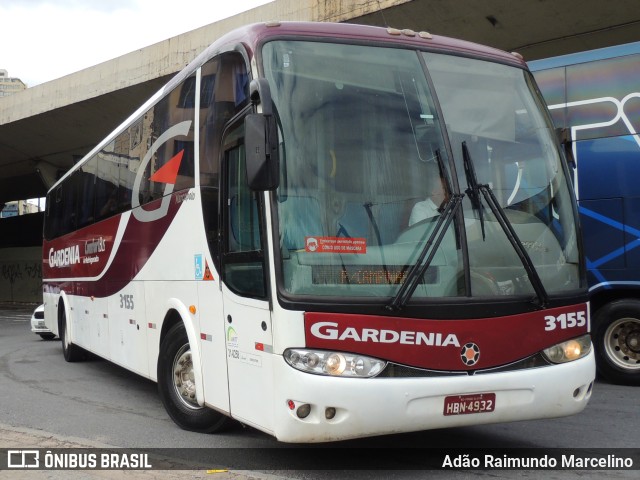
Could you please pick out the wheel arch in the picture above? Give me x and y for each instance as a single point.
(177, 312)
(617, 360)
(64, 306)
(603, 296)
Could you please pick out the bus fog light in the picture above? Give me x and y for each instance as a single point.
(303, 410)
(329, 413)
(569, 351)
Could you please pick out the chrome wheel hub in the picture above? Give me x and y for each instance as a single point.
(184, 378)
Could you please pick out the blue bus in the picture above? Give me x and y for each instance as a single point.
(595, 96)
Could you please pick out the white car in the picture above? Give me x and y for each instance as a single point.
(38, 326)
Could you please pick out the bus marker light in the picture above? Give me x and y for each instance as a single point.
(192, 309)
(291, 404)
(303, 410)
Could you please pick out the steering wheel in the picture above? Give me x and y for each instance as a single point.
(418, 231)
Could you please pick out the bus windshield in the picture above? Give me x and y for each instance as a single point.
(374, 142)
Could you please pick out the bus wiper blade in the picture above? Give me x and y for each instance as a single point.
(501, 216)
(430, 247)
(473, 188)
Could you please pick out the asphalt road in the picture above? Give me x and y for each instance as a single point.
(48, 403)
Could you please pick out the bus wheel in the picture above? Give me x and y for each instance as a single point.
(177, 388)
(71, 352)
(617, 341)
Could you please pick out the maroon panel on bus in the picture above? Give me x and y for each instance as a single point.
(82, 256)
(468, 344)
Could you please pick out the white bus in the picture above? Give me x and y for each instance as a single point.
(330, 231)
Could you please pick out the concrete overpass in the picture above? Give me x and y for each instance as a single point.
(44, 129)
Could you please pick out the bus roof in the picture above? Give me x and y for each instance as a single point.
(254, 34)
(584, 57)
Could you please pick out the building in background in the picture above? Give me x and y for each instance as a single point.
(10, 85)
(21, 207)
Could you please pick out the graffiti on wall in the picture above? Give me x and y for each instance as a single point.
(21, 280)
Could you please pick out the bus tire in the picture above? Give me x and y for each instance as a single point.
(71, 352)
(617, 341)
(177, 387)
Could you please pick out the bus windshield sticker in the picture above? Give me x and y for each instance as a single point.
(335, 245)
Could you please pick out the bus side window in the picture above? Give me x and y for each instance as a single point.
(243, 261)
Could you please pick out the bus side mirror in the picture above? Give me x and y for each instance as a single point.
(564, 137)
(261, 142)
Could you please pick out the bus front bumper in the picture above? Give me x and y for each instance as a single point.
(344, 408)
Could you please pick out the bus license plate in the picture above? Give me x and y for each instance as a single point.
(465, 404)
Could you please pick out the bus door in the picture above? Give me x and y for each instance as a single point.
(246, 308)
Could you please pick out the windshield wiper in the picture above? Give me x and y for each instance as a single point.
(499, 213)
(419, 268)
(473, 189)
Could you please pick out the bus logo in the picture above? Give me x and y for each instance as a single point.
(65, 257)
(164, 175)
(232, 337)
(470, 354)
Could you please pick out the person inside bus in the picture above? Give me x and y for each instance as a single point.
(431, 206)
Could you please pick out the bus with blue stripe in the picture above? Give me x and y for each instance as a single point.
(596, 96)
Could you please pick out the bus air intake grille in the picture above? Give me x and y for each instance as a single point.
(394, 370)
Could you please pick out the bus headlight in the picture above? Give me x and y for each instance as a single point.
(569, 351)
(337, 364)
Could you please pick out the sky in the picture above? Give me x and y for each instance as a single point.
(47, 39)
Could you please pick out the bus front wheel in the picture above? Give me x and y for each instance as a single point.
(617, 341)
(177, 388)
(71, 352)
